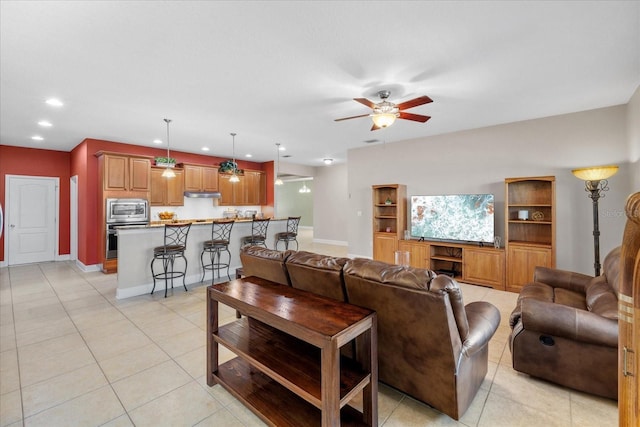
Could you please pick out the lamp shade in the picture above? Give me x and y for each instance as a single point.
(168, 173)
(595, 173)
(383, 120)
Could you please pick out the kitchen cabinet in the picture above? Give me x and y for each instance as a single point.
(200, 177)
(255, 188)
(251, 190)
(126, 173)
(166, 191)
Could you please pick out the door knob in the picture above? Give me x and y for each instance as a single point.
(12, 226)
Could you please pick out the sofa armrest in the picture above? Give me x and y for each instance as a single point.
(556, 278)
(483, 319)
(568, 322)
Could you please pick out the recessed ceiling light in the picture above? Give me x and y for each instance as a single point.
(281, 148)
(205, 148)
(54, 102)
(248, 155)
(45, 124)
(37, 138)
(328, 161)
(157, 141)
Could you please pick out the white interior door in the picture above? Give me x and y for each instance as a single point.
(32, 213)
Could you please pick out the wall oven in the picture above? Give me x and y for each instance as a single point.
(122, 213)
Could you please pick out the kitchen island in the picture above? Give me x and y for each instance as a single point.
(135, 252)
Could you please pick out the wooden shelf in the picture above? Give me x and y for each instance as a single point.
(255, 342)
(446, 258)
(522, 221)
(267, 398)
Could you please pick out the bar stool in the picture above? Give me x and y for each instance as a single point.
(220, 236)
(175, 243)
(290, 235)
(258, 233)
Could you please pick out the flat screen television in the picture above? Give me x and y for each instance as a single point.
(453, 217)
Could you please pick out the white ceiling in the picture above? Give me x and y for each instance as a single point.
(283, 71)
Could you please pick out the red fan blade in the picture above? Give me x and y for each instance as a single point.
(414, 117)
(414, 102)
(365, 101)
(352, 117)
(375, 127)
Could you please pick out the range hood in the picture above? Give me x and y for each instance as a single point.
(203, 194)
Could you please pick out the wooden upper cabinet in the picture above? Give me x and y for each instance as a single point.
(251, 190)
(139, 174)
(255, 188)
(126, 173)
(210, 179)
(166, 191)
(200, 178)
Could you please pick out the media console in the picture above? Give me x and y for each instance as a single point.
(469, 263)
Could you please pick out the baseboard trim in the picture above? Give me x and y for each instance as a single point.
(331, 242)
(88, 268)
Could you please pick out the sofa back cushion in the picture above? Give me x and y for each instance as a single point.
(317, 273)
(266, 263)
(418, 338)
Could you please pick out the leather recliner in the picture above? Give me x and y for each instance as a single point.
(565, 328)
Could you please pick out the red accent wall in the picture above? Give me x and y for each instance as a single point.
(81, 161)
(36, 162)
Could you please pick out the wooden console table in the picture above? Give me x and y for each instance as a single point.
(288, 368)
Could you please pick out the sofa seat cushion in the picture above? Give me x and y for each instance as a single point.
(569, 298)
(543, 292)
(317, 273)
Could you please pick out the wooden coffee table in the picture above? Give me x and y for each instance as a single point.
(288, 368)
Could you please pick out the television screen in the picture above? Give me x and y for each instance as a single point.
(463, 217)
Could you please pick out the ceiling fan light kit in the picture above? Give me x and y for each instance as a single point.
(385, 113)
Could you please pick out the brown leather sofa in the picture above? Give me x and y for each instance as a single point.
(565, 328)
(430, 345)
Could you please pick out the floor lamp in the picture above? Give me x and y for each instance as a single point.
(595, 181)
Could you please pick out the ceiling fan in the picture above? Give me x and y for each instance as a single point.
(385, 112)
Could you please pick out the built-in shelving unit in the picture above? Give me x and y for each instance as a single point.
(529, 242)
(389, 219)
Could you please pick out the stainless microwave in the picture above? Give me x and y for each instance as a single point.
(127, 211)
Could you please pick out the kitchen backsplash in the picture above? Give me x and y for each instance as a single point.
(197, 209)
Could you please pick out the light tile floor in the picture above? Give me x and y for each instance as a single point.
(73, 355)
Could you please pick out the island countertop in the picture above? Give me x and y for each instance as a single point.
(135, 252)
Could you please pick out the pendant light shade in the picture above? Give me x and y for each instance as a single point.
(278, 180)
(304, 189)
(168, 172)
(234, 177)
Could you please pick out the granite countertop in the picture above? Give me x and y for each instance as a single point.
(200, 221)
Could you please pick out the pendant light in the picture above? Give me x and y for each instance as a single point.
(278, 180)
(234, 177)
(304, 189)
(168, 172)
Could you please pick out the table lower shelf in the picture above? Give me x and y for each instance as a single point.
(272, 402)
(292, 362)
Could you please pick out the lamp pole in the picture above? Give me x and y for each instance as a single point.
(595, 182)
(595, 188)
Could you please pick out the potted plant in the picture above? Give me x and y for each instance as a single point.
(166, 162)
(229, 166)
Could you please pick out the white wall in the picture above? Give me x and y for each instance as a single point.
(290, 202)
(478, 161)
(633, 135)
(330, 205)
